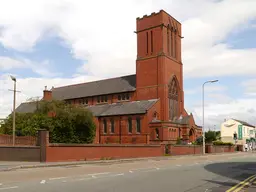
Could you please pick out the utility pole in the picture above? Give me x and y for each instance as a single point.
(14, 109)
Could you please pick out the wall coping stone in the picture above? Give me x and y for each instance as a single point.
(101, 145)
(21, 147)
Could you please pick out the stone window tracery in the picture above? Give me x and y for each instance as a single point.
(173, 99)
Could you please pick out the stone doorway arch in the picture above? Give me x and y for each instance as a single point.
(192, 135)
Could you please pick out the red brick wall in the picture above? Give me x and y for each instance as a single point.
(185, 149)
(219, 149)
(18, 153)
(6, 140)
(62, 152)
(125, 139)
(121, 130)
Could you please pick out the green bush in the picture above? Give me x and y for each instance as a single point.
(223, 143)
(68, 124)
(194, 143)
(179, 141)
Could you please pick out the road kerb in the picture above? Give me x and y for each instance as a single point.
(63, 164)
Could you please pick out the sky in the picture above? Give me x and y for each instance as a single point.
(60, 42)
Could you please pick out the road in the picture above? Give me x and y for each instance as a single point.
(216, 173)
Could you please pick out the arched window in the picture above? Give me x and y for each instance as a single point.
(112, 125)
(138, 125)
(129, 125)
(173, 99)
(105, 126)
(157, 133)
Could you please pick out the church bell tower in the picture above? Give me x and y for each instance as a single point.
(159, 69)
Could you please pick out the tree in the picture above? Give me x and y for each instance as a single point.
(210, 136)
(66, 123)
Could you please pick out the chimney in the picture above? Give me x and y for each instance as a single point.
(47, 94)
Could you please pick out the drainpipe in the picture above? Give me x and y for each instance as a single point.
(120, 129)
(99, 131)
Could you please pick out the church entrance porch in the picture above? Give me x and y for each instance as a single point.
(192, 135)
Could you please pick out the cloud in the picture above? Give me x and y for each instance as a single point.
(41, 68)
(31, 87)
(250, 87)
(102, 36)
(207, 89)
(219, 106)
(216, 113)
(7, 63)
(105, 38)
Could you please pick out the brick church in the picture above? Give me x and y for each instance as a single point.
(147, 107)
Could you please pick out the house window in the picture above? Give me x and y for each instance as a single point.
(119, 97)
(106, 98)
(102, 99)
(98, 99)
(129, 125)
(123, 97)
(105, 126)
(112, 126)
(138, 125)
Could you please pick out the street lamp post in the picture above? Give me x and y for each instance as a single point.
(212, 81)
(14, 103)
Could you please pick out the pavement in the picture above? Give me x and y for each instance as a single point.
(213, 173)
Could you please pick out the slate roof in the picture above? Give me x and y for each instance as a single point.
(125, 108)
(183, 120)
(27, 107)
(244, 123)
(95, 88)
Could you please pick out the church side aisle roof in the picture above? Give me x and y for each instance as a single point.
(124, 108)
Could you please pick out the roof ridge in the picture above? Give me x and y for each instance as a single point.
(124, 102)
(92, 81)
(30, 101)
(243, 122)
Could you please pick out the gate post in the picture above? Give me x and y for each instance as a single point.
(43, 136)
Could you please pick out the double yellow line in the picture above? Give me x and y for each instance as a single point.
(242, 184)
